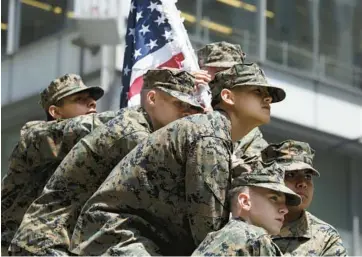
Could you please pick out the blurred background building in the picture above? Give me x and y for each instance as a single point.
(312, 48)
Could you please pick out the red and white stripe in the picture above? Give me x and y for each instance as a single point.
(166, 56)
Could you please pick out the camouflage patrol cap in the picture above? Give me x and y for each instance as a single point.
(265, 175)
(220, 54)
(240, 75)
(177, 83)
(66, 85)
(292, 155)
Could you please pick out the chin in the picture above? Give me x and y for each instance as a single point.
(274, 231)
(264, 120)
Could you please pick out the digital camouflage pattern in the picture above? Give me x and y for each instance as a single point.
(66, 85)
(251, 145)
(165, 195)
(85, 167)
(310, 236)
(220, 54)
(49, 222)
(179, 84)
(241, 75)
(266, 175)
(238, 238)
(291, 154)
(224, 54)
(41, 148)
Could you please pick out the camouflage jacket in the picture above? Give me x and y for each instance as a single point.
(75, 180)
(251, 145)
(310, 236)
(165, 196)
(238, 238)
(41, 148)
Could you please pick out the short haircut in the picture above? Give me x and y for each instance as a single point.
(47, 114)
(234, 193)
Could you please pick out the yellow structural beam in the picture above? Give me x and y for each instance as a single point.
(4, 26)
(245, 6)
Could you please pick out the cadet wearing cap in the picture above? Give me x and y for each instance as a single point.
(303, 233)
(258, 199)
(169, 192)
(41, 148)
(167, 95)
(67, 97)
(219, 56)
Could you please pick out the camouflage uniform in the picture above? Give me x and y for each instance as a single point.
(307, 236)
(310, 236)
(168, 192)
(225, 55)
(251, 145)
(41, 148)
(164, 196)
(238, 238)
(50, 220)
(64, 86)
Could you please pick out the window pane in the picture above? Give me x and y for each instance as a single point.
(222, 20)
(4, 24)
(41, 18)
(290, 33)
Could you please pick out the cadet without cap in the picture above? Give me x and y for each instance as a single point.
(220, 54)
(265, 175)
(66, 85)
(243, 75)
(178, 83)
(291, 154)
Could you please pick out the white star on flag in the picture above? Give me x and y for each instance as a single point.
(132, 6)
(160, 20)
(167, 35)
(152, 44)
(131, 32)
(157, 39)
(126, 70)
(137, 53)
(152, 6)
(139, 16)
(144, 30)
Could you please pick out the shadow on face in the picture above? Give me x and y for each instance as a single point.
(301, 182)
(164, 108)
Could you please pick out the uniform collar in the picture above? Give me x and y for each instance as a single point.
(300, 228)
(147, 118)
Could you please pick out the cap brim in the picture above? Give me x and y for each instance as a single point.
(182, 97)
(292, 199)
(277, 94)
(220, 64)
(301, 166)
(95, 92)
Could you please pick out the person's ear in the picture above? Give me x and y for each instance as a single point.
(227, 96)
(151, 97)
(244, 201)
(55, 112)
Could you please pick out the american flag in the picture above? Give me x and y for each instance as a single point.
(150, 44)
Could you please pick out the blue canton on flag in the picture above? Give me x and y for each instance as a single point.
(148, 45)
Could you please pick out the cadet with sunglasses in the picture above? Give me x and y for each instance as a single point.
(303, 233)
